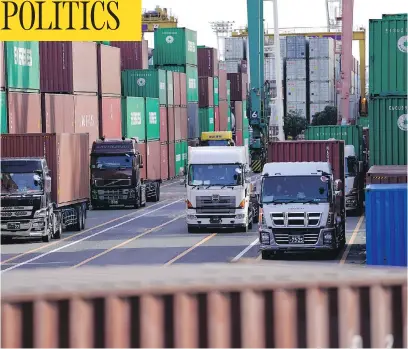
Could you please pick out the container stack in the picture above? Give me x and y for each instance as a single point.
(230, 121)
(133, 54)
(235, 55)
(269, 62)
(321, 74)
(238, 95)
(224, 103)
(296, 75)
(387, 109)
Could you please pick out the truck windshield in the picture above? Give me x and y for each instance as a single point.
(295, 189)
(16, 183)
(111, 161)
(350, 166)
(215, 174)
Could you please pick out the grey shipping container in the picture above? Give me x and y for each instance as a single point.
(235, 48)
(68, 186)
(207, 61)
(205, 92)
(193, 121)
(296, 47)
(109, 71)
(24, 111)
(68, 67)
(58, 113)
(133, 54)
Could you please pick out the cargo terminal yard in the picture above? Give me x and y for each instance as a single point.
(187, 195)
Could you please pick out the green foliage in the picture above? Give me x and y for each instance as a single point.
(326, 117)
(293, 124)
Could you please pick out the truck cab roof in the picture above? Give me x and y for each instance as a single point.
(296, 168)
(217, 155)
(115, 146)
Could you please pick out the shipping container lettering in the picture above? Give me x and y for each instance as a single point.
(152, 118)
(87, 121)
(23, 56)
(211, 120)
(135, 118)
(398, 108)
(162, 86)
(178, 157)
(395, 30)
(191, 46)
(192, 83)
(216, 90)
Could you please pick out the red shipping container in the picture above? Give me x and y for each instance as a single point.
(176, 88)
(110, 118)
(68, 67)
(223, 115)
(87, 116)
(172, 160)
(222, 85)
(183, 123)
(164, 161)
(237, 111)
(239, 85)
(163, 125)
(177, 123)
(238, 138)
(109, 71)
(183, 89)
(58, 113)
(171, 124)
(133, 54)
(207, 59)
(205, 92)
(391, 174)
(216, 119)
(142, 150)
(153, 160)
(24, 112)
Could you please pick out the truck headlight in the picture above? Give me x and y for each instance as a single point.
(240, 216)
(191, 216)
(132, 194)
(265, 238)
(40, 213)
(327, 237)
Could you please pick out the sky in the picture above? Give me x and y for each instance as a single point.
(196, 14)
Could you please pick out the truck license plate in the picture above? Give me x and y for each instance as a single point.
(13, 226)
(215, 220)
(296, 239)
(113, 202)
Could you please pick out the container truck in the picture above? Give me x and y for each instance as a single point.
(220, 138)
(44, 184)
(116, 177)
(302, 206)
(218, 189)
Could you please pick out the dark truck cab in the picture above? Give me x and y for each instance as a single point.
(116, 176)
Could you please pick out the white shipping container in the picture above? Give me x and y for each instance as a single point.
(318, 107)
(322, 91)
(321, 69)
(235, 48)
(296, 91)
(299, 108)
(232, 66)
(295, 69)
(270, 69)
(321, 48)
(269, 48)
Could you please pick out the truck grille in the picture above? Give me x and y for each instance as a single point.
(296, 219)
(113, 182)
(216, 202)
(113, 194)
(310, 236)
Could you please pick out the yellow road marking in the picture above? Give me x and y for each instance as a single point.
(353, 237)
(77, 234)
(190, 249)
(127, 241)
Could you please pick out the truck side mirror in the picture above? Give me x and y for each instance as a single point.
(338, 185)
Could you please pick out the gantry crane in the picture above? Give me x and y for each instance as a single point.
(158, 18)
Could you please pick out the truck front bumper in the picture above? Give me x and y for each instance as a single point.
(25, 228)
(113, 197)
(219, 221)
(326, 241)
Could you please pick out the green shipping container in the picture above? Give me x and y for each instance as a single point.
(388, 131)
(350, 134)
(3, 112)
(191, 79)
(229, 119)
(216, 95)
(388, 62)
(206, 117)
(23, 65)
(145, 83)
(134, 117)
(178, 151)
(229, 91)
(170, 93)
(244, 112)
(363, 121)
(152, 119)
(175, 46)
(184, 148)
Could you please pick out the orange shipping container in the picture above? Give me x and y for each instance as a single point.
(58, 113)
(109, 71)
(87, 116)
(164, 161)
(24, 112)
(110, 117)
(65, 154)
(141, 147)
(153, 160)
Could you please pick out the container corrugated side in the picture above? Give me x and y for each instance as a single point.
(172, 160)
(363, 121)
(388, 131)
(152, 160)
(223, 115)
(170, 88)
(235, 48)
(386, 224)
(134, 117)
(188, 82)
(206, 117)
(2, 68)
(164, 161)
(222, 85)
(175, 46)
(3, 112)
(109, 71)
(142, 150)
(177, 123)
(205, 92)
(65, 154)
(164, 131)
(387, 175)
(24, 112)
(184, 123)
(87, 116)
(178, 146)
(176, 89)
(193, 121)
(145, 83)
(22, 65)
(236, 108)
(58, 114)
(216, 92)
(171, 123)
(388, 56)
(207, 61)
(351, 135)
(152, 119)
(133, 54)
(110, 117)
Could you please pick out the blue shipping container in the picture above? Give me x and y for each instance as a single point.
(193, 121)
(386, 224)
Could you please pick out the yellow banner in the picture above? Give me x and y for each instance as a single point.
(61, 20)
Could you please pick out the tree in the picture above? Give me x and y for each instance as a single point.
(326, 117)
(293, 124)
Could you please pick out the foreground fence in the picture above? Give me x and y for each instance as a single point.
(220, 305)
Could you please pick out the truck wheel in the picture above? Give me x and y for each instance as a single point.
(83, 220)
(48, 237)
(157, 194)
(137, 203)
(250, 225)
(58, 231)
(78, 225)
(144, 199)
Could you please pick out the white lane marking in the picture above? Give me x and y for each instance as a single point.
(85, 238)
(245, 250)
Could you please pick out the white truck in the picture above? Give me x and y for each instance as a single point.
(354, 180)
(218, 189)
(301, 208)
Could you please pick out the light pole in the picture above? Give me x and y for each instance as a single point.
(221, 29)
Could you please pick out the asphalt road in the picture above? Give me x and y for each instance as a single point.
(156, 234)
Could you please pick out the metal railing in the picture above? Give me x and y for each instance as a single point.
(210, 305)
